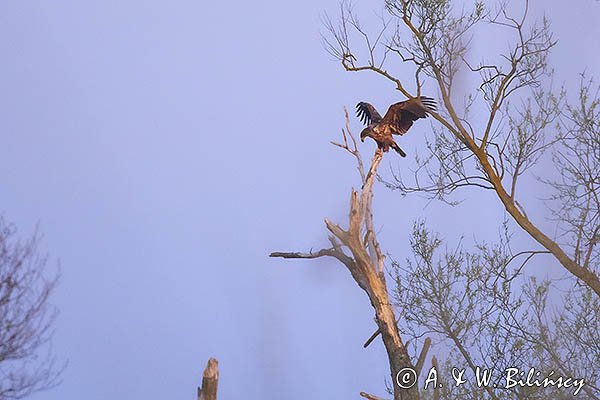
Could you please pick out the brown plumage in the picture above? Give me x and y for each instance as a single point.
(397, 120)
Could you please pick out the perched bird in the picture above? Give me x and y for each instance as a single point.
(397, 120)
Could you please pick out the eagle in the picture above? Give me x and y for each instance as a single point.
(397, 120)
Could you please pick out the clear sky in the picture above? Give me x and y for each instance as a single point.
(165, 148)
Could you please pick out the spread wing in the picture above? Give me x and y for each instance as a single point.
(402, 115)
(367, 113)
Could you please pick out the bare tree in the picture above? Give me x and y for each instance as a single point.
(576, 200)
(480, 306)
(477, 307)
(26, 317)
(480, 309)
(358, 249)
(515, 94)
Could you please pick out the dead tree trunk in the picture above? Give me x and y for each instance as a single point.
(365, 263)
(210, 380)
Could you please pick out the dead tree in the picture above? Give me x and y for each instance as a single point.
(357, 248)
(210, 381)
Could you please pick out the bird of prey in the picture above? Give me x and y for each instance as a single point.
(397, 120)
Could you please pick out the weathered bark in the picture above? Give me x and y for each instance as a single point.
(366, 267)
(210, 381)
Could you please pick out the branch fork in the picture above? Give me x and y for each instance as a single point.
(366, 260)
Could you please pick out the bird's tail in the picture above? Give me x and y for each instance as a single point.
(395, 146)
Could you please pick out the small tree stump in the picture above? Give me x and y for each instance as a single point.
(210, 380)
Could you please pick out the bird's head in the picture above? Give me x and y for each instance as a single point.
(364, 134)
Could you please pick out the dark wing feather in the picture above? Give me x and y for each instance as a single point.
(429, 104)
(367, 113)
(402, 115)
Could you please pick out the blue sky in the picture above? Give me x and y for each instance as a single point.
(165, 149)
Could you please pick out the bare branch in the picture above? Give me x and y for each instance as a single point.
(423, 355)
(26, 317)
(370, 396)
